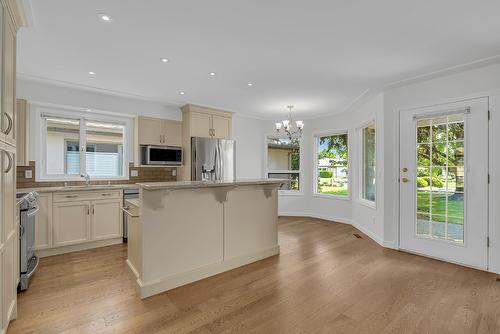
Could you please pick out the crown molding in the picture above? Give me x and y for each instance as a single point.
(15, 9)
(103, 91)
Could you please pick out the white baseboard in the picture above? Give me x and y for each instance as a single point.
(379, 240)
(315, 215)
(79, 247)
(167, 283)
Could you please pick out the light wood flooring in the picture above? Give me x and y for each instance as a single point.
(325, 281)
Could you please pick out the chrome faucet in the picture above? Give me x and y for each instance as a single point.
(87, 178)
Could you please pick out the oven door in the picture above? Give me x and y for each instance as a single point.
(162, 155)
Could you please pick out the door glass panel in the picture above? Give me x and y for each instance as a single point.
(440, 178)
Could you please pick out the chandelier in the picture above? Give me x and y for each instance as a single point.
(288, 127)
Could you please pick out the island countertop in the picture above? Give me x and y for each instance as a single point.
(207, 184)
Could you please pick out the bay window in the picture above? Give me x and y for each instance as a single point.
(332, 165)
(283, 161)
(368, 171)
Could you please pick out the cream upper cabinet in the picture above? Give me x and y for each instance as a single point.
(150, 131)
(221, 126)
(9, 79)
(71, 221)
(172, 133)
(156, 131)
(198, 121)
(106, 219)
(43, 222)
(201, 124)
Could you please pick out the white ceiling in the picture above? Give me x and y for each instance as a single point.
(318, 55)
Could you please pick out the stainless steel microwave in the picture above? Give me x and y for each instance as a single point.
(161, 155)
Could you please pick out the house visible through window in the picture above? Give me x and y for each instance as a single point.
(283, 161)
(332, 156)
(103, 153)
(368, 163)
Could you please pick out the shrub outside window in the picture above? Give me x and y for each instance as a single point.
(332, 165)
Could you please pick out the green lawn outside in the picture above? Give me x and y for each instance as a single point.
(333, 190)
(455, 206)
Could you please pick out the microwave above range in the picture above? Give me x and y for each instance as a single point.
(161, 155)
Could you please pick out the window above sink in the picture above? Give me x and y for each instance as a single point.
(72, 144)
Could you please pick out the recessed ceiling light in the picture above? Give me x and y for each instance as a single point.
(212, 74)
(104, 17)
(91, 73)
(182, 93)
(250, 84)
(164, 60)
(89, 109)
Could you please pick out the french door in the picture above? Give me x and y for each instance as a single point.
(444, 182)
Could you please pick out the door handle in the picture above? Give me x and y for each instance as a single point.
(404, 169)
(11, 123)
(404, 179)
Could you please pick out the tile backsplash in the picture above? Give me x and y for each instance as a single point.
(144, 174)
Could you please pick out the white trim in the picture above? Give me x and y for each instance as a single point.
(332, 197)
(372, 235)
(341, 220)
(367, 203)
(147, 289)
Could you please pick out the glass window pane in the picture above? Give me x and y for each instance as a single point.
(368, 160)
(456, 153)
(439, 130)
(104, 156)
(440, 186)
(283, 154)
(423, 134)
(423, 155)
(62, 146)
(332, 165)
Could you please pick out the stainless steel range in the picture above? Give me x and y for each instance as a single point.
(27, 256)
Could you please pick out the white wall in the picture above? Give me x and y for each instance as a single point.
(34, 91)
(248, 134)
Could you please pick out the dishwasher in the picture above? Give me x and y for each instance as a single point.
(127, 194)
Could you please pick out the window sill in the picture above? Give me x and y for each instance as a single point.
(290, 193)
(369, 204)
(334, 197)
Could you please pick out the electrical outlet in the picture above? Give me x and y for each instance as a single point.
(28, 174)
(134, 173)
(174, 172)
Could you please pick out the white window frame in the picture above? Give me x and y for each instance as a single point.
(359, 130)
(299, 192)
(316, 137)
(42, 111)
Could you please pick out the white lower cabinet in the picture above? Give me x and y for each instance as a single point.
(73, 218)
(71, 223)
(43, 223)
(106, 219)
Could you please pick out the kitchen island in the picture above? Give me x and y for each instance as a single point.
(181, 232)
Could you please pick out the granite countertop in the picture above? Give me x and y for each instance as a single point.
(207, 184)
(78, 188)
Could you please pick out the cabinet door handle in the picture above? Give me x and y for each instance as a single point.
(71, 196)
(9, 167)
(88, 210)
(11, 123)
(106, 194)
(93, 208)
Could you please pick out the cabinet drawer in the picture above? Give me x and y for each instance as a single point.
(86, 195)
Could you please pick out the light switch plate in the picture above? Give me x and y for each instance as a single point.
(134, 172)
(174, 172)
(28, 174)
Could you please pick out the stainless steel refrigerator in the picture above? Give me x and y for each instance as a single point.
(212, 159)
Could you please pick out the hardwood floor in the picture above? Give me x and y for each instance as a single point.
(325, 281)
